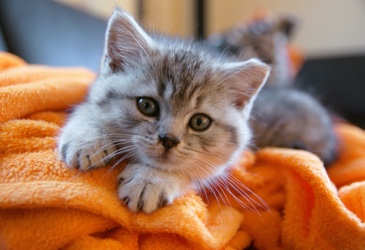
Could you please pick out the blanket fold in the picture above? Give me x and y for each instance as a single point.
(286, 199)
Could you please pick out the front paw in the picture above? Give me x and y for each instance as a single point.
(146, 189)
(85, 151)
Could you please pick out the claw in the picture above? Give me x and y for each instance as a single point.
(162, 201)
(64, 151)
(120, 181)
(88, 159)
(78, 165)
(106, 158)
(126, 200)
(140, 205)
(140, 199)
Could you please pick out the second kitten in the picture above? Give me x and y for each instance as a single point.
(289, 118)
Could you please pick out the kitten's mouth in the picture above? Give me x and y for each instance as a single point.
(165, 156)
(162, 156)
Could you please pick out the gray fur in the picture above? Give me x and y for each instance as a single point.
(289, 118)
(166, 155)
(266, 39)
(282, 116)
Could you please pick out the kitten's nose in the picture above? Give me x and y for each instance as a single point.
(168, 141)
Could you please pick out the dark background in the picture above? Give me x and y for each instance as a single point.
(44, 32)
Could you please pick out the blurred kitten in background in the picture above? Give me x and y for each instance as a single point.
(282, 116)
(264, 38)
(290, 118)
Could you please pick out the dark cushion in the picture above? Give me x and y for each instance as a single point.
(45, 32)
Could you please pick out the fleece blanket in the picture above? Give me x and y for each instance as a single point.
(291, 201)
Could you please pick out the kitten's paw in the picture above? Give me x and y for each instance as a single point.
(77, 152)
(146, 189)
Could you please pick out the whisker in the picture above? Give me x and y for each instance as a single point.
(210, 187)
(205, 153)
(225, 196)
(241, 203)
(109, 156)
(228, 180)
(127, 156)
(241, 189)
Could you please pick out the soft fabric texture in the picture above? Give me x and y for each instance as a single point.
(45, 205)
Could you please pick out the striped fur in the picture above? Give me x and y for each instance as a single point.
(166, 155)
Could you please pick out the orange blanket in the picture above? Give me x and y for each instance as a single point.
(44, 205)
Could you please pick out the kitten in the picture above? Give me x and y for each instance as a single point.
(289, 118)
(266, 39)
(178, 114)
(282, 116)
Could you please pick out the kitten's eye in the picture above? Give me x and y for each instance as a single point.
(147, 106)
(200, 122)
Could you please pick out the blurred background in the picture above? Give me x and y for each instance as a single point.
(330, 36)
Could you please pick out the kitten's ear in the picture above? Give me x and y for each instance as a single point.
(125, 42)
(245, 80)
(287, 25)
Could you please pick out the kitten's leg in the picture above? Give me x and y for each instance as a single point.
(144, 188)
(82, 144)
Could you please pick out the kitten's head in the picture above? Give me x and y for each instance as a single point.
(265, 38)
(170, 105)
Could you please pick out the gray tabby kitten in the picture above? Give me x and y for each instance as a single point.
(177, 113)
